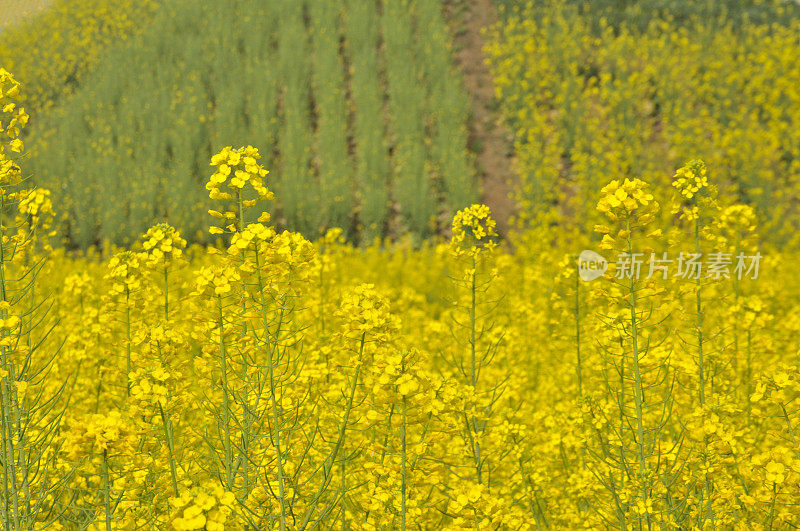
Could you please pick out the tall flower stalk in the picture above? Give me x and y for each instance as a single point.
(28, 417)
(629, 460)
(472, 245)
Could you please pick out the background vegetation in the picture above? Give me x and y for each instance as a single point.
(358, 110)
(588, 99)
(53, 52)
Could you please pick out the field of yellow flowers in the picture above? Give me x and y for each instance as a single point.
(627, 359)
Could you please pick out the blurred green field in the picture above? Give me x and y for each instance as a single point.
(356, 106)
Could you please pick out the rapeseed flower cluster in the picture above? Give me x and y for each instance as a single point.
(124, 271)
(697, 195)
(163, 243)
(13, 119)
(201, 508)
(219, 280)
(473, 229)
(235, 168)
(691, 178)
(622, 199)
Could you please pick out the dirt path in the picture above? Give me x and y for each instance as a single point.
(12, 11)
(491, 141)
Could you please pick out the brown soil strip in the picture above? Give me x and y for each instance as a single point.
(489, 138)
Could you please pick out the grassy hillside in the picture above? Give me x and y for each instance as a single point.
(355, 105)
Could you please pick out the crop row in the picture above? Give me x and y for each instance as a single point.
(357, 108)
